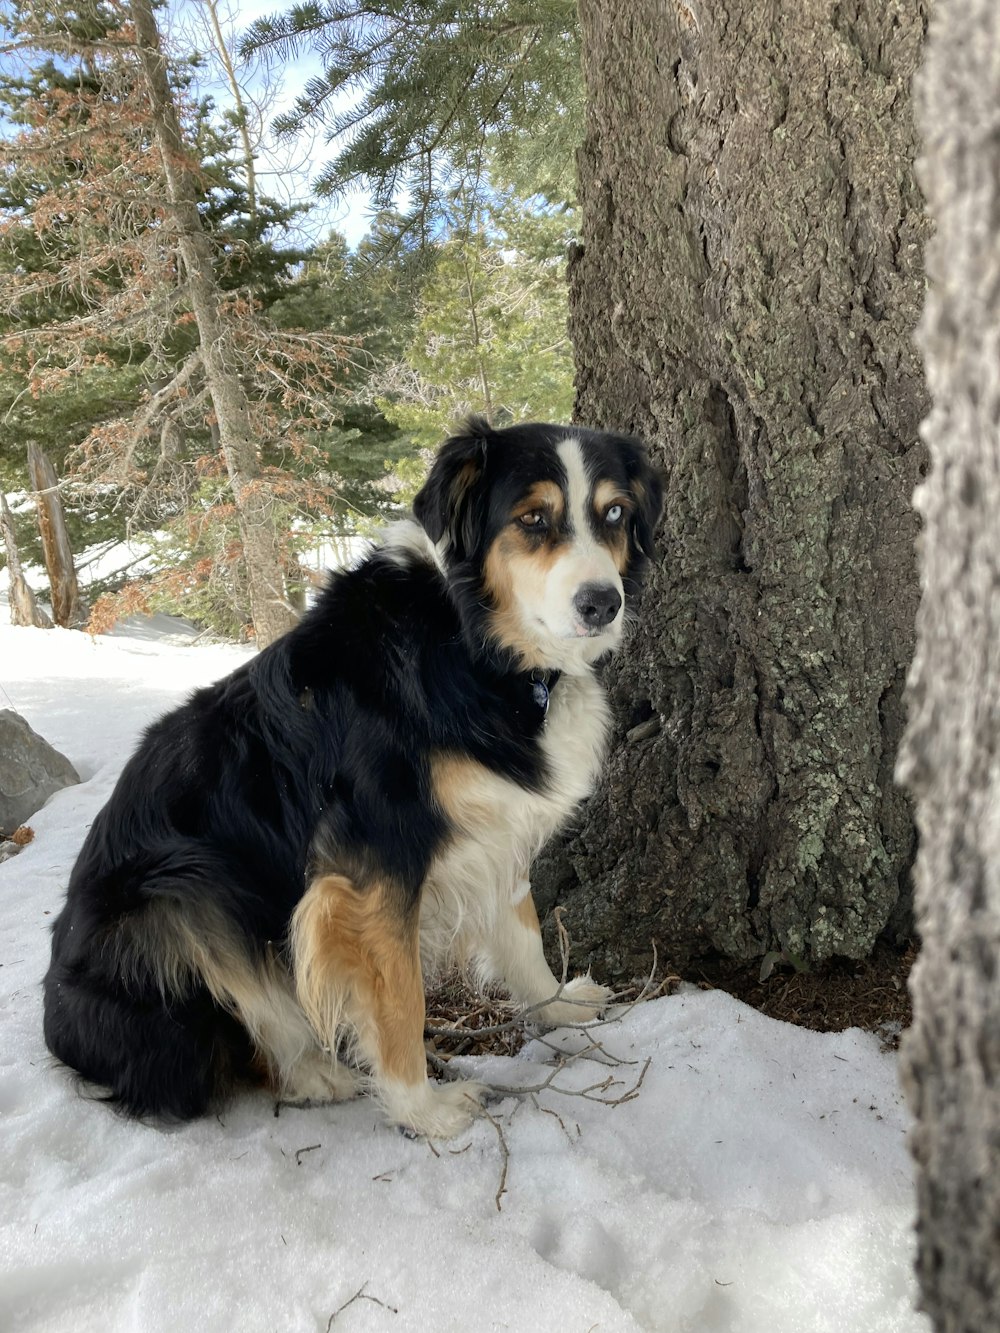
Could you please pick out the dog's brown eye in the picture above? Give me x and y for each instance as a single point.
(614, 515)
(534, 520)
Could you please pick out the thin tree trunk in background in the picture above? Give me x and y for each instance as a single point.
(242, 119)
(269, 606)
(474, 321)
(744, 298)
(24, 609)
(64, 593)
(951, 755)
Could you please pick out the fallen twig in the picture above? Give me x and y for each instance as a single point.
(519, 1020)
(586, 1039)
(546, 1110)
(504, 1157)
(548, 1084)
(359, 1295)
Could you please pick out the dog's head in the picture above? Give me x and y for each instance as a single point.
(543, 532)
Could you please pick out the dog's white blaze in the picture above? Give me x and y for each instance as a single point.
(587, 560)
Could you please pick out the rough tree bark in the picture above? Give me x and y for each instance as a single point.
(951, 752)
(744, 298)
(63, 590)
(24, 610)
(271, 612)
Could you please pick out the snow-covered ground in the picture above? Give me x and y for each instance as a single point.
(759, 1182)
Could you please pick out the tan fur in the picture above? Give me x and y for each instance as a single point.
(515, 562)
(544, 496)
(606, 494)
(357, 964)
(464, 480)
(457, 790)
(526, 913)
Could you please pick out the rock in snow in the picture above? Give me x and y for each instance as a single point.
(30, 771)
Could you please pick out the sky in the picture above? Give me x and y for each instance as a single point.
(286, 170)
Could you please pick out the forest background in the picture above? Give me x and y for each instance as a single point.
(355, 351)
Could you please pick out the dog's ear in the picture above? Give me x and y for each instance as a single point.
(647, 492)
(444, 504)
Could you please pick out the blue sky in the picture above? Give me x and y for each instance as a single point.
(285, 170)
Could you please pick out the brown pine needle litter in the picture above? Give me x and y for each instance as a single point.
(871, 994)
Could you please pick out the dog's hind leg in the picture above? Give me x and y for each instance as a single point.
(258, 991)
(356, 961)
(300, 1070)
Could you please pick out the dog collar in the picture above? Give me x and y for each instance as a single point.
(542, 683)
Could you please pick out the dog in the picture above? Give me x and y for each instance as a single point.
(288, 852)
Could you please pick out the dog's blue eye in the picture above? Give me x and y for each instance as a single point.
(614, 515)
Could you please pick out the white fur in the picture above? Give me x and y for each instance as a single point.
(435, 1110)
(473, 886)
(513, 956)
(405, 540)
(582, 999)
(319, 1077)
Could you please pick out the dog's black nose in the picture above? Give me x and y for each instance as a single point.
(597, 604)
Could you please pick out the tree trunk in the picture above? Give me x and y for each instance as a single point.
(744, 299)
(24, 610)
(269, 606)
(951, 759)
(64, 593)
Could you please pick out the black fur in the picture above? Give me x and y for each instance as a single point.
(312, 757)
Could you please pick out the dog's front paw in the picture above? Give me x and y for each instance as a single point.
(432, 1110)
(582, 1000)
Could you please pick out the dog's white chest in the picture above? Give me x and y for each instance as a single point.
(574, 742)
(500, 826)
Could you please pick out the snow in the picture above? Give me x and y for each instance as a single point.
(758, 1183)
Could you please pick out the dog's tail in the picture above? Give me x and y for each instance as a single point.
(172, 1060)
(161, 1049)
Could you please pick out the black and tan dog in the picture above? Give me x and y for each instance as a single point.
(286, 851)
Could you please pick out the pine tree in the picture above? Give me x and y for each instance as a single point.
(490, 335)
(218, 352)
(369, 298)
(415, 92)
(142, 269)
(744, 298)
